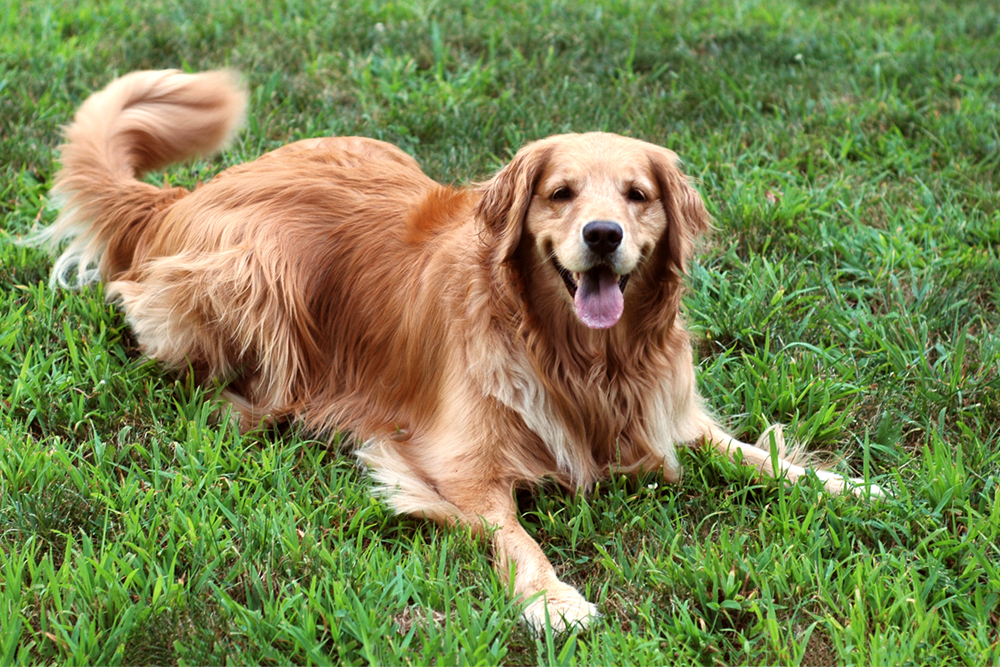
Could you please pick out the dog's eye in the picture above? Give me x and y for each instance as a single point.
(636, 195)
(561, 194)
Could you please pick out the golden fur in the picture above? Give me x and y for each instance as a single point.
(331, 282)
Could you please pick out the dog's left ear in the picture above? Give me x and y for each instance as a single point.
(686, 215)
(501, 211)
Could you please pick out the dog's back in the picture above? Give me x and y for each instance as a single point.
(292, 278)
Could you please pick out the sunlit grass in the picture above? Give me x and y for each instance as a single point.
(851, 290)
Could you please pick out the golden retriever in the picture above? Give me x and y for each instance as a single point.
(472, 339)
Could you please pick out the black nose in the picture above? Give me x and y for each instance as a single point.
(602, 236)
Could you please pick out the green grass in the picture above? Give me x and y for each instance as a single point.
(850, 154)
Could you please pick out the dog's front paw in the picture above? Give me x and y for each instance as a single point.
(866, 490)
(836, 484)
(565, 606)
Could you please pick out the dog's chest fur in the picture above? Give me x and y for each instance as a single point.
(594, 421)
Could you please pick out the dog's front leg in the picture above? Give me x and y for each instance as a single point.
(535, 582)
(759, 456)
(474, 495)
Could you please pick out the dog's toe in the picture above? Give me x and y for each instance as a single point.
(565, 608)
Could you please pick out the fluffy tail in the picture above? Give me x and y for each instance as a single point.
(140, 122)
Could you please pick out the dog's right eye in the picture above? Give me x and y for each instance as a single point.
(561, 194)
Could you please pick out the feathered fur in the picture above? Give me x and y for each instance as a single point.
(331, 282)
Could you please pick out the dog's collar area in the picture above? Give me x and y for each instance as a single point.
(571, 283)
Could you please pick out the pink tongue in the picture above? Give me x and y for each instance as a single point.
(599, 301)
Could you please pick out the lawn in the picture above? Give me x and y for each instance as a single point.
(850, 155)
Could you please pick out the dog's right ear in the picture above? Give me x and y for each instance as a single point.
(501, 211)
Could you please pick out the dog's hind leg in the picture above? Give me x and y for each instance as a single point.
(402, 487)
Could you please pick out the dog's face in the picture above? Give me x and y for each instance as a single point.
(594, 209)
(596, 215)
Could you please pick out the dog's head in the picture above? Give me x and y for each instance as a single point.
(594, 213)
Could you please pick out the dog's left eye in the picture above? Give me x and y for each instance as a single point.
(636, 195)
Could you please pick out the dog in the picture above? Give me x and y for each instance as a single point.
(473, 340)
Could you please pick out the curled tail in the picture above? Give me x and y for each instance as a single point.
(140, 122)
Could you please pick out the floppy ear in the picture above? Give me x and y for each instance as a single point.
(501, 211)
(686, 214)
(686, 219)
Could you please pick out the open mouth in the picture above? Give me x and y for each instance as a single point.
(597, 294)
(573, 280)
